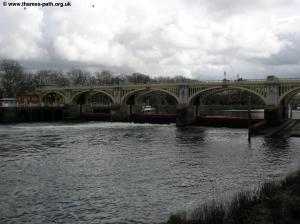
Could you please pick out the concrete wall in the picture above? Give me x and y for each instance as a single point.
(185, 115)
(120, 113)
(8, 115)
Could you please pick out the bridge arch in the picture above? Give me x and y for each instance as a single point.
(148, 90)
(42, 97)
(214, 90)
(93, 92)
(145, 93)
(286, 97)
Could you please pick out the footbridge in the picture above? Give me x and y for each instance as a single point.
(274, 93)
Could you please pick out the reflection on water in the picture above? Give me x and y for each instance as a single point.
(128, 173)
(254, 113)
(238, 113)
(276, 144)
(192, 136)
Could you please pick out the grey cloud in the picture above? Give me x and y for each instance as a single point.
(65, 66)
(288, 56)
(164, 38)
(229, 7)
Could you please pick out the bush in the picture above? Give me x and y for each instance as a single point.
(275, 202)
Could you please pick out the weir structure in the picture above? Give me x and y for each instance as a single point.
(274, 93)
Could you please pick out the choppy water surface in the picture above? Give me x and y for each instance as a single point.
(128, 173)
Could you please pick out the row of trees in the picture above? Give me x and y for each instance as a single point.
(14, 80)
(233, 97)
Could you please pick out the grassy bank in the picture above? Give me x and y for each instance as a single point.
(275, 202)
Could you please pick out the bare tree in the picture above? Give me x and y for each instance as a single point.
(138, 78)
(79, 77)
(12, 78)
(50, 77)
(104, 78)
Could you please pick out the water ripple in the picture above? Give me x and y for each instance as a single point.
(128, 173)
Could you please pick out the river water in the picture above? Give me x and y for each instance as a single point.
(129, 173)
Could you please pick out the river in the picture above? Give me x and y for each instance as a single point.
(129, 173)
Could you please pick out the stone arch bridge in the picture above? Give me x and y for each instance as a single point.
(274, 93)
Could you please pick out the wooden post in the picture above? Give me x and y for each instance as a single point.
(249, 119)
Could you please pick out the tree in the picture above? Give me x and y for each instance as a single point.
(181, 79)
(104, 78)
(138, 78)
(28, 84)
(12, 78)
(163, 79)
(49, 77)
(79, 77)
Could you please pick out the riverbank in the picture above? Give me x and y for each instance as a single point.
(274, 202)
(61, 114)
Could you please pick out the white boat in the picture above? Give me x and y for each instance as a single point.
(8, 102)
(148, 109)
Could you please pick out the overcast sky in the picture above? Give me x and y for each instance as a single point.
(195, 38)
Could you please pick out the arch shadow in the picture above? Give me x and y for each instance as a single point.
(211, 91)
(127, 96)
(288, 96)
(75, 98)
(53, 97)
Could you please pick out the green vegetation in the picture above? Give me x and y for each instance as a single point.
(273, 203)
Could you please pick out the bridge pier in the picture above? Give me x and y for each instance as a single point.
(272, 114)
(275, 115)
(285, 112)
(119, 112)
(71, 112)
(185, 115)
(275, 111)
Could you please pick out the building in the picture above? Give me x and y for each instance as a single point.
(8, 102)
(27, 100)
